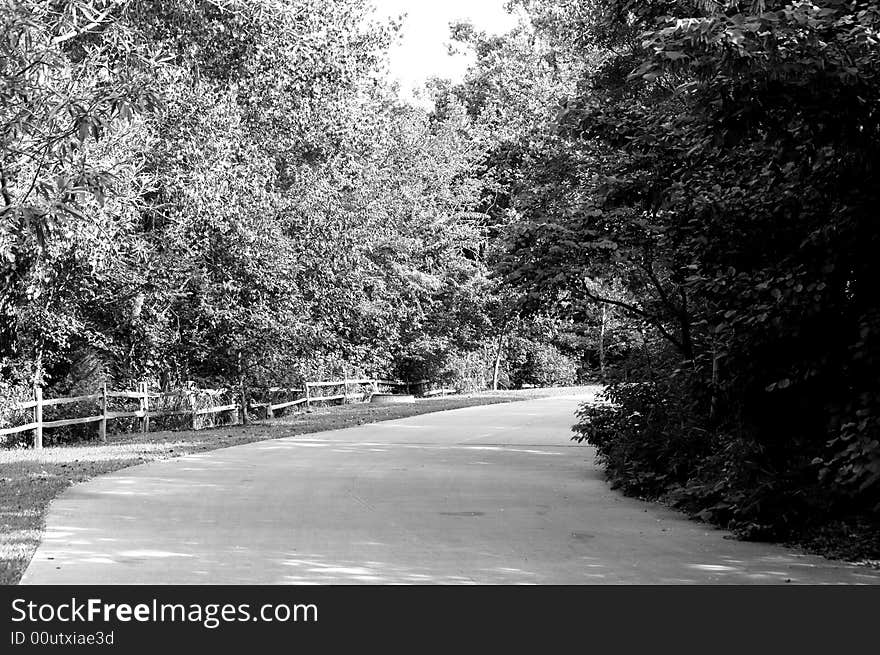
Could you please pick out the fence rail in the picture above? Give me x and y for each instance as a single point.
(145, 413)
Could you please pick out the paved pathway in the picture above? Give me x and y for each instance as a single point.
(485, 495)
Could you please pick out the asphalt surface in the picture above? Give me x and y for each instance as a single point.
(497, 494)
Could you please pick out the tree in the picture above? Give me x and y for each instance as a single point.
(72, 78)
(718, 165)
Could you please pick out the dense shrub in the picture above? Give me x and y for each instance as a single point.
(538, 364)
(632, 434)
(653, 443)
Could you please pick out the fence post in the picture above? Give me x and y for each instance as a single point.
(242, 391)
(192, 405)
(38, 418)
(308, 397)
(102, 426)
(270, 413)
(345, 384)
(243, 414)
(145, 421)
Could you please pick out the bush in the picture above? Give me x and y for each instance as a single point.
(539, 364)
(10, 395)
(652, 443)
(632, 435)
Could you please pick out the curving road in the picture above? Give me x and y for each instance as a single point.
(485, 495)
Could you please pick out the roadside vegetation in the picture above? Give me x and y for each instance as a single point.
(712, 180)
(228, 194)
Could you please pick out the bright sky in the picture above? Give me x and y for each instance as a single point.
(422, 52)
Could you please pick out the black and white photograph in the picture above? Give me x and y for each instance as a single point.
(436, 294)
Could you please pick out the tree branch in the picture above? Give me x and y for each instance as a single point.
(653, 320)
(4, 190)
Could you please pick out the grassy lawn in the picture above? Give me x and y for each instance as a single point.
(30, 479)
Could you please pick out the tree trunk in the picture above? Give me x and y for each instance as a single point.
(242, 389)
(602, 342)
(646, 349)
(499, 346)
(713, 399)
(687, 344)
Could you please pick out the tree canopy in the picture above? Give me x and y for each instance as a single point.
(719, 163)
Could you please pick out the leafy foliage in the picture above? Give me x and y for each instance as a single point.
(246, 203)
(72, 78)
(719, 165)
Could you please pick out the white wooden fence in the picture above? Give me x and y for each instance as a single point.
(143, 395)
